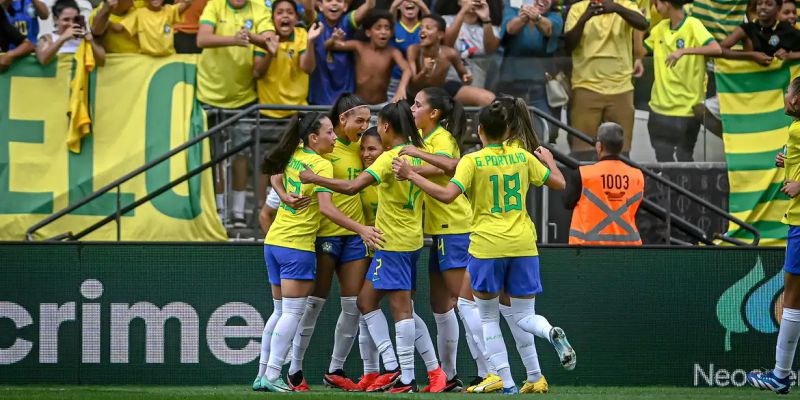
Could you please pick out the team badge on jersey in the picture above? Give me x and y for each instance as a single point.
(327, 247)
(290, 53)
(774, 40)
(248, 24)
(268, 3)
(166, 28)
(680, 44)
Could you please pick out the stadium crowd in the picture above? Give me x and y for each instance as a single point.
(253, 51)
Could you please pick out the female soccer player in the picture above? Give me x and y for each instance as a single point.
(393, 270)
(339, 250)
(288, 249)
(439, 118)
(502, 248)
(778, 379)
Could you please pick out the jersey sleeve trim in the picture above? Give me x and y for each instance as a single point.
(374, 175)
(459, 184)
(443, 153)
(322, 190)
(207, 22)
(546, 176)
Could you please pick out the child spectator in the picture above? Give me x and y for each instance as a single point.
(70, 28)
(788, 12)
(375, 59)
(406, 32)
(334, 74)
(282, 71)
(113, 12)
(474, 32)
(430, 61)
(26, 15)
(186, 30)
(152, 25)
(763, 38)
(11, 36)
(678, 43)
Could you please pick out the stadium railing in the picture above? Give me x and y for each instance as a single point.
(253, 115)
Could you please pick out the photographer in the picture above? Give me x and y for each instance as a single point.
(70, 30)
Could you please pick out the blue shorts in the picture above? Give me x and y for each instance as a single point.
(792, 263)
(519, 276)
(451, 251)
(394, 270)
(286, 263)
(342, 248)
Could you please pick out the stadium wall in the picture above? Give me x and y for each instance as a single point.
(193, 314)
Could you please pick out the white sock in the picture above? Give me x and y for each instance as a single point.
(305, 329)
(528, 320)
(404, 336)
(472, 326)
(267, 336)
(370, 357)
(285, 329)
(345, 334)
(238, 203)
(379, 330)
(423, 344)
(787, 342)
(447, 341)
(493, 338)
(525, 344)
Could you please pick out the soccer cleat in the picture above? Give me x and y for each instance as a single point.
(565, 352)
(257, 384)
(337, 379)
(454, 385)
(510, 390)
(437, 381)
(276, 385)
(539, 386)
(491, 383)
(400, 387)
(475, 382)
(384, 381)
(366, 381)
(767, 380)
(297, 382)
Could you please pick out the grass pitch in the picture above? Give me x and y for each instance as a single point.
(87, 392)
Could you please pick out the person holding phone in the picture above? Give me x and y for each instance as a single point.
(70, 30)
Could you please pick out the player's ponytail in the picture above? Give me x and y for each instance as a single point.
(520, 125)
(451, 112)
(300, 127)
(345, 103)
(401, 120)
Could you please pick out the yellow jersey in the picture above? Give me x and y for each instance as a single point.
(117, 42)
(153, 29)
(297, 229)
(369, 201)
(399, 204)
(285, 82)
(792, 165)
(441, 218)
(347, 165)
(496, 179)
(603, 60)
(225, 74)
(676, 90)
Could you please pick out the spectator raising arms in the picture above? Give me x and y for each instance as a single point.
(764, 38)
(10, 36)
(406, 31)
(70, 30)
(599, 33)
(474, 32)
(430, 61)
(186, 30)
(25, 15)
(282, 71)
(153, 26)
(375, 59)
(113, 12)
(678, 44)
(336, 74)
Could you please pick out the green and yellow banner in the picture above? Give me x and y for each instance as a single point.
(141, 107)
(755, 129)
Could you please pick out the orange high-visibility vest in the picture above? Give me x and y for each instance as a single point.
(606, 212)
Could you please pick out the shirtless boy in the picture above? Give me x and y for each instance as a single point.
(375, 59)
(430, 61)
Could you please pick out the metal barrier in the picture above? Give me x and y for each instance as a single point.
(252, 115)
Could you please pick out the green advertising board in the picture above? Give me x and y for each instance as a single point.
(193, 313)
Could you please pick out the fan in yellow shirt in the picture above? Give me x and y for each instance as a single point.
(503, 249)
(107, 14)
(152, 26)
(393, 270)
